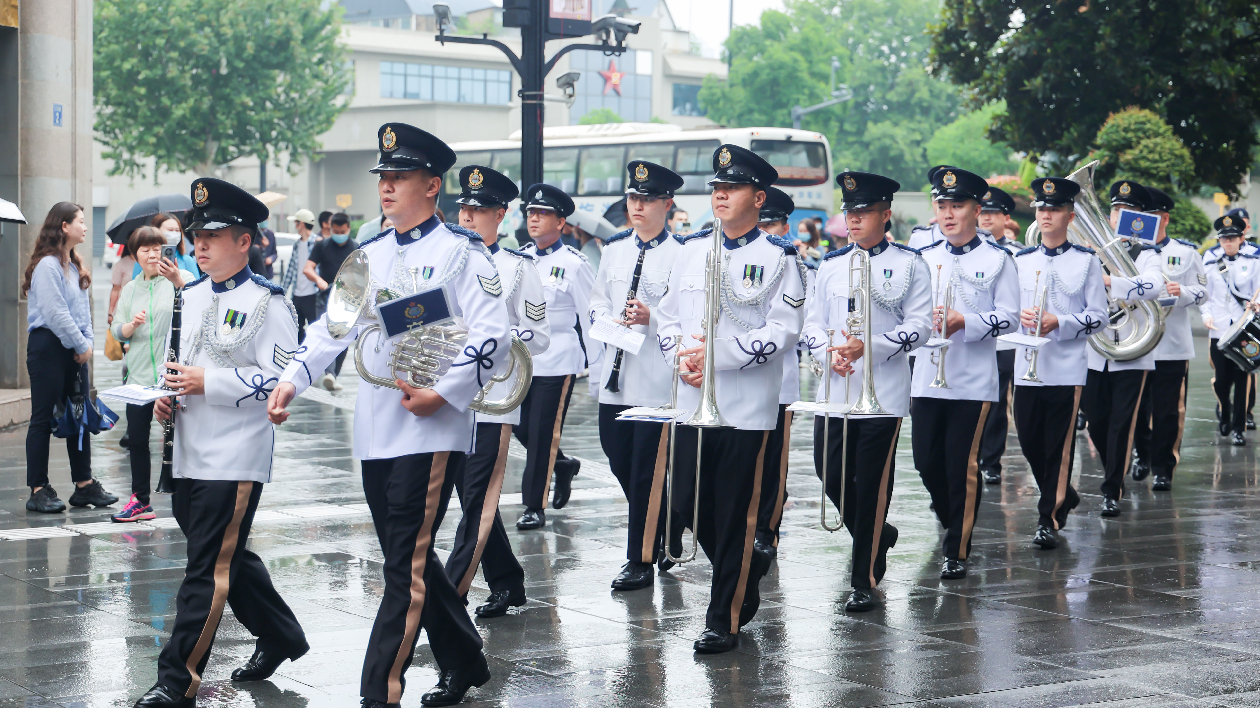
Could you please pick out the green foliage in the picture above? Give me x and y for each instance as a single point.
(882, 47)
(1188, 222)
(1139, 145)
(964, 144)
(1063, 68)
(194, 84)
(597, 116)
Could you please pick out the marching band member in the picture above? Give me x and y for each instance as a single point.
(995, 205)
(412, 440)
(1233, 280)
(484, 197)
(239, 332)
(762, 292)
(633, 277)
(567, 280)
(1112, 388)
(1075, 306)
(1162, 410)
(901, 299)
(949, 420)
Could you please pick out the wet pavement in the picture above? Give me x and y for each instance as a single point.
(1160, 607)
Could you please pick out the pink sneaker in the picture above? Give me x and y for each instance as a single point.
(135, 510)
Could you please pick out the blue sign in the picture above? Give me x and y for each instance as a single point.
(1137, 226)
(57, 115)
(426, 308)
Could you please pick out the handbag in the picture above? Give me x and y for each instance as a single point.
(113, 348)
(75, 415)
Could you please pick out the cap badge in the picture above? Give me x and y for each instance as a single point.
(850, 184)
(1225, 222)
(475, 179)
(200, 195)
(724, 158)
(988, 196)
(640, 173)
(538, 195)
(1047, 187)
(389, 141)
(949, 180)
(1125, 189)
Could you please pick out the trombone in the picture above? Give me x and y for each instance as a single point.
(1030, 354)
(939, 354)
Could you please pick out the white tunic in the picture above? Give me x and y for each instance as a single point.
(1012, 247)
(923, 236)
(986, 293)
(1214, 253)
(436, 254)
(567, 279)
(645, 377)
(224, 434)
(1230, 279)
(527, 314)
(1146, 286)
(1181, 264)
(901, 318)
(1077, 297)
(790, 392)
(762, 297)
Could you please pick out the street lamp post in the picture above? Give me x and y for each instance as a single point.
(839, 94)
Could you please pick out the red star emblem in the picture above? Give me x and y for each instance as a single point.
(612, 78)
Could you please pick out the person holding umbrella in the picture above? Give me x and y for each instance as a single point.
(139, 214)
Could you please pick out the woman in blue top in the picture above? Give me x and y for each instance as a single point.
(58, 347)
(174, 233)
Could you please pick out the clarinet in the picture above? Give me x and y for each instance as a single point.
(631, 294)
(166, 480)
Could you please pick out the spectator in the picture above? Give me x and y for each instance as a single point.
(369, 228)
(302, 287)
(809, 242)
(321, 267)
(266, 240)
(120, 274)
(144, 319)
(174, 233)
(325, 228)
(58, 348)
(589, 246)
(386, 224)
(679, 222)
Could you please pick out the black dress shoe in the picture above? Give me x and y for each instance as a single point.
(162, 697)
(125, 441)
(499, 601)
(887, 539)
(1222, 428)
(45, 501)
(633, 576)
(1073, 501)
(766, 548)
(454, 683)
(531, 519)
(860, 600)
(953, 569)
(1140, 469)
(260, 666)
(92, 494)
(566, 470)
(992, 476)
(369, 703)
(1161, 483)
(712, 641)
(1251, 422)
(1080, 420)
(663, 563)
(1110, 507)
(1045, 538)
(1237, 440)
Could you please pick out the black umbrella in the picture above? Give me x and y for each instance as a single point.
(142, 211)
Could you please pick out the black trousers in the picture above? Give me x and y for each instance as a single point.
(637, 453)
(306, 311)
(481, 538)
(1231, 386)
(321, 307)
(139, 419)
(730, 488)
(406, 495)
(993, 442)
(868, 483)
(1045, 420)
(946, 444)
(774, 480)
(54, 375)
(1162, 416)
(215, 516)
(542, 420)
(1110, 401)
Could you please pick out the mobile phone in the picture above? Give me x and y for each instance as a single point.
(686, 226)
(168, 252)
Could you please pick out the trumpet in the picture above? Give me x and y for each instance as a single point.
(939, 354)
(1030, 354)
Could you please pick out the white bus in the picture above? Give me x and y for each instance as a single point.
(588, 162)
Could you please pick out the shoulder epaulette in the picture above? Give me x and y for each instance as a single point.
(984, 232)
(275, 289)
(1213, 249)
(692, 236)
(994, 244)
(618, 236)
(781, 242)
(838, 252)
(1026, 251)
(1084, 249)
(1252, 256)
(204, 277)
(1151, 247)
(921, 227)
(377, 237)
(1184, 242)
(932, 245)
(575, 251)
(466, 233)
(811, 266)
(904, 247)
(522, 254)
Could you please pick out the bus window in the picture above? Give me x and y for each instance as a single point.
(450, 185)
(602, 170)
(659, 153)
(800, 164)
(560, 168)
(509, 163)
(694, 161)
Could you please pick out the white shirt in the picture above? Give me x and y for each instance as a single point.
(762, 297)
(243, 331)
(527, 314)
(1144, 287)
(567, 279)
(1181, 264)
(1230, 278)
(435, 254)
(645, 378)
(986, 293)
(901, 318)
(1077, 297)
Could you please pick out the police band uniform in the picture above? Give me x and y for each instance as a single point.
(567, 279)
(1162, 408)
(1210, 256)
(1232, 282)
(408, 460)
(993, 440)
(948, 422)
(762, 295)
(242, 331)
(1045, 410)
(901, 299)
(637, 451)
(1112, 388)
(480, 537)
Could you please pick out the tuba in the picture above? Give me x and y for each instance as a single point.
(422, 355)
(1144, 319)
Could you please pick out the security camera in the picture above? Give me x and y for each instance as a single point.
(611, 27)
(442, 13)
(565, 83)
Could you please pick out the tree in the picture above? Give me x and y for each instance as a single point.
(1063, 67)
(964, 143)
(597, 116)
(196, 84)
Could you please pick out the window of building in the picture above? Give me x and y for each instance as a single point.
(348, 67)
(614, 83)
(687, 100)
(450, 84)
